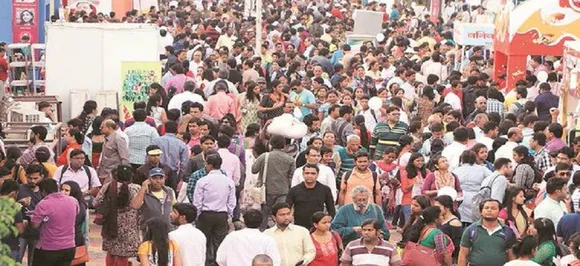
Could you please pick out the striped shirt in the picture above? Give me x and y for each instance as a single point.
(384, 136)
(357, 254)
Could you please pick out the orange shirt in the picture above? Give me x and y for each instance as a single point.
(359, 179)
(406, 182)
(64, 156)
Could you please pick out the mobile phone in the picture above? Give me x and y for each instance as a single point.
(300, 263)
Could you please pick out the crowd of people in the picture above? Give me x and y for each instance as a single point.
(280, 156)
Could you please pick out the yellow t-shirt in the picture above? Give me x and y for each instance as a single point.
(146, 247)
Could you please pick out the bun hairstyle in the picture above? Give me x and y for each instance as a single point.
(526, 246)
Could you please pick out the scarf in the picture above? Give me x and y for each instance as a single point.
(447, 180)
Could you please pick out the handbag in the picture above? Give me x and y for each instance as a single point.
(417, 255)
(258, 193)
(81, 255)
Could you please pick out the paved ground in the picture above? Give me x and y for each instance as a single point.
(97, 256)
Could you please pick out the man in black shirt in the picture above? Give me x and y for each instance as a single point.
(29, 195)
(309, 197)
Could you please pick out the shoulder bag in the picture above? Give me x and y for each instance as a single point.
(258, 193)
(416, 254)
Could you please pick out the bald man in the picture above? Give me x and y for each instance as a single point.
(262, 260)
(515, 137)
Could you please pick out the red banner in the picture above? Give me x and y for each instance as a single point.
(24, 20)
(435, 10)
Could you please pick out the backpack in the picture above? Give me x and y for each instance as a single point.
(530, 192)
(375, 178)
(87, 170)
(519, 108)
(483, 194)
(507, 232)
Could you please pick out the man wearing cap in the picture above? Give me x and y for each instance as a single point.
(153, 161)
(215, 198)
(154, 199)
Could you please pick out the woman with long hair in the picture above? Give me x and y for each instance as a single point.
(425, 233)
(328, 244)
(418, 204)
(72, 188)
(470, 175)
(98, 139)
(155, 110)
(272, 104)
(248, 102)
(157, 249)
(440, 177)
(156, 89)
(450, 223)
(120, 232)
(525, 172)
(361, 130)
(545, 231)
(411, 181)
(515, 214)
(525, 249)
(88, 115)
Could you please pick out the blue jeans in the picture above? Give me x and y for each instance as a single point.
(406, 209)
(15, 255)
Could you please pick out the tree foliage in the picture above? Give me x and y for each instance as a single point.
(8, 209)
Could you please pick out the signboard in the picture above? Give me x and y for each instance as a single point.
(89, 6)
(473, 34)
(25, 20)
(435, 8)
(136, 77)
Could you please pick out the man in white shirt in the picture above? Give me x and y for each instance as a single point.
(325, 176)
(78, 172)
(223, 75)
(553, 207)
(454, 150)
(240, 247)
(490, 132)
(515, 137)
(231, 165)
(452, 98)
(436, 67)
(479, 121)
(186, 95)
(294, 242)
(371, 116)
(191, 241)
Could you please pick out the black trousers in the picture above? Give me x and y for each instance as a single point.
(214, 226)
(61, 257)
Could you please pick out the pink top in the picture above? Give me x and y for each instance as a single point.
(219, 105)
(177, 81)
(327, 253)
(57, 214)
(430, 184)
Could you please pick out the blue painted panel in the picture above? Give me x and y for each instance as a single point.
(6, 21)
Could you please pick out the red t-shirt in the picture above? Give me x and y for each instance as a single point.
(3, 69)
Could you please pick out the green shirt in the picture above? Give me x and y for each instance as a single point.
(486, 249)
(545, 253)
(384, 136)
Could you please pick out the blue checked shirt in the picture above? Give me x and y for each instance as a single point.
(196, 176)
(141, 135)
(175, 152)
(495, 106)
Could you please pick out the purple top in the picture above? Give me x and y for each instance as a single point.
(215, 192)
(57, 213)
(555, 144)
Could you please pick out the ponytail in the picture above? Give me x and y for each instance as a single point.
(428, 216)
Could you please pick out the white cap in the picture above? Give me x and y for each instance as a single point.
(410, 50)
(173, 3)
